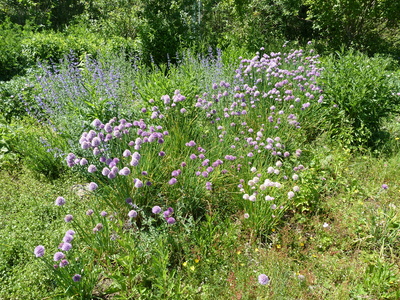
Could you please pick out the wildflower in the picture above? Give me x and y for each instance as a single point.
(89, 212)
(92, 186)
(60, 201)
(103, 213)
(70, 232)
(138, 183)
(172, 181)
(171, 220)
(66, 247)
(126, 153)
(39, 251)
(132, 214)
(58, 256)
(325, 225)
(296, 189)
(290, 195)
(124, 171)
(156, 210)
(263, 279)
(68, 218)
(246, 216)
(191, 144)
(63, 263)
(161, 153)
(68, 238)
(385, 186)
(98, 227)
(76, 278)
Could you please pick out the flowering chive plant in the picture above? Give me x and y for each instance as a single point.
(182, 157)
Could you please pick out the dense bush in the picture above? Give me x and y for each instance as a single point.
(360, 92)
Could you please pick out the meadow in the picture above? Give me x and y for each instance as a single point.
(228, 175)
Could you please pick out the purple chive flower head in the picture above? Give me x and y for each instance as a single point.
(191, 144)
(138, 183)
(39, 251)
(161, 153)
(68, 218)
(92, 169)
(171, 220)
(172, 181)
(58, 256)
(66, 247)
(132, 214)
(63, 263)
(89, 212)
(156, 210)
(59, 201)
(76, 278)
(103, 213)
(92, 186)
(124, 171)
(385, 186)
(263, 279)
(70, 232)
(68, 238)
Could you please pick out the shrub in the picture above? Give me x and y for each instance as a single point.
(359, 94)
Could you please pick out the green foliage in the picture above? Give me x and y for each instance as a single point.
(365, 25)
(11, 59)
(8, 148)
(42, 150)
(359, 95)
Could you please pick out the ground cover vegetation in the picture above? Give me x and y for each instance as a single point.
(202, 150)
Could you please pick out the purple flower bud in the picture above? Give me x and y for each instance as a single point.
(68, 218)
(89, 212)
(103, 213)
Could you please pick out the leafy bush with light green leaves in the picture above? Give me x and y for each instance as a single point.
(360, 94)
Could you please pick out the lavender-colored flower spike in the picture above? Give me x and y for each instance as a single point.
(39, 251)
